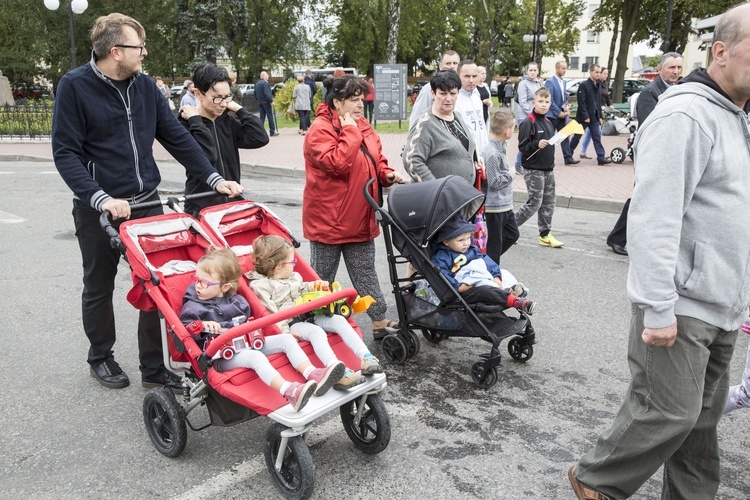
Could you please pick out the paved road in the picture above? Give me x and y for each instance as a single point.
(64, 436)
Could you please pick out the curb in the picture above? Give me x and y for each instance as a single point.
(563, 201)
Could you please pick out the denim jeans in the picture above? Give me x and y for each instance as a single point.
(596, 136)
(100, 262)
(669, 415)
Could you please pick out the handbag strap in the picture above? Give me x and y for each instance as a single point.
(366, 151)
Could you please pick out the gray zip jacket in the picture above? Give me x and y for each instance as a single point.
(688, 235)
(499, 178)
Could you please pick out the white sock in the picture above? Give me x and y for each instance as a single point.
(284, 387)
(308, 371)
(364, 352)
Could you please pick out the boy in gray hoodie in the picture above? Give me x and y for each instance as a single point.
(502, 230)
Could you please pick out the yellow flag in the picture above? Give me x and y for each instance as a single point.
(573, 127)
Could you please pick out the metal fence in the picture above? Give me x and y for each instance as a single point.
(26, 121)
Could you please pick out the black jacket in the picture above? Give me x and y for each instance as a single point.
(221, 140)
(589, 102)
(648, 98)
(532, 130)
(102, 140)
(313, 89)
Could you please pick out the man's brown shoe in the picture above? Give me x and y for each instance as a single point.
(583, 492)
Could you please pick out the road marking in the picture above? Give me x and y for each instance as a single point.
(9, 218)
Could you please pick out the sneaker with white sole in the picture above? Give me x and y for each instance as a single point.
(326, 377)
(349, 380)
(550, 241)
(371, 365)
(298, 394)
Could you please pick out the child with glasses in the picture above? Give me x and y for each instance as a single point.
(213, 301)
(278, 286)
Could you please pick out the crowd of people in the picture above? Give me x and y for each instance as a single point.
(687, 281)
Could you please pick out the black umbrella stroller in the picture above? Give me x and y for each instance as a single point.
(415, 213)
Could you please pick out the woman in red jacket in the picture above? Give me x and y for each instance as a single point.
(342, 152)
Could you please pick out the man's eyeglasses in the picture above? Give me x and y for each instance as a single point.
(139, 47)
(206, 284)
(219, 99)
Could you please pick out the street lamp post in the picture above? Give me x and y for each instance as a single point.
(537, 37)
(74, 7)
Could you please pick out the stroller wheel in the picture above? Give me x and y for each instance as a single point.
(434, 336)
(617, 155)
(296, 477)
(412, 344)
(165, 421)
(483, 378)
(368, 426)
(395, 349)
(519, 350)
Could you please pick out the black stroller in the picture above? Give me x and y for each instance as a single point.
(415, 213)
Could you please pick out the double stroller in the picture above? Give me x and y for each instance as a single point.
(162, 252)
(414, 215)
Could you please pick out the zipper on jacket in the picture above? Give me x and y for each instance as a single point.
(130, 131)
(218, 149)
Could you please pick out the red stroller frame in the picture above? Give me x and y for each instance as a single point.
(162, 252)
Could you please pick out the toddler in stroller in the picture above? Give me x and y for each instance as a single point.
(476, 277)
(416, 213)
(211, 304)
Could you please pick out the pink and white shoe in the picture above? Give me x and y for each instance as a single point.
(326, 377)
(299, 394)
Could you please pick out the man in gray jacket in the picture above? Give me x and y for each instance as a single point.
(689, 280)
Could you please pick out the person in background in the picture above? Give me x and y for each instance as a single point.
(264, 97)
(508, 92)
(606, 101)
(528, 85)
(449, 60)
(301, 96)
(484, 94)
(163, 88)
(310, 82)
(589, 113)
(221, 127)
(559, 110)
(188, 98)
(370, 100)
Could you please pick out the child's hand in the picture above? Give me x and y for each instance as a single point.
(497, 280)
(211, 327)
(543, 143)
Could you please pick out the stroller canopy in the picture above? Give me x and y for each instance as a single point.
(422, 208)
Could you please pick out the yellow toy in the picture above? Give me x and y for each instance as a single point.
(340, 307)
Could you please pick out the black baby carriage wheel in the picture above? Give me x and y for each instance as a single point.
(520, 350)
(373, 431)
(296, 479)
(434, 336)
(394, 348)
(165, 421)
(483, 378)
(412, 344)
(617, 155)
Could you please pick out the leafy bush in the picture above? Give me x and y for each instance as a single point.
(284, 97)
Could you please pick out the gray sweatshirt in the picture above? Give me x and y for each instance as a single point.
(688, 233)
(499, 178)
(432, 152)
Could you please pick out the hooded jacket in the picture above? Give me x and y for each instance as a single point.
(334, 211)
(220, 140)
(526, 89)
(102, 140)
(688, 239)
(532, 130)
(220, 309)
(446, 260)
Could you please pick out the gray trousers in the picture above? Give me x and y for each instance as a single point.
(540, 185)
(360, 263)
(669, 416)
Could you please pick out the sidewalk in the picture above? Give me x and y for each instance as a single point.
(585, 186)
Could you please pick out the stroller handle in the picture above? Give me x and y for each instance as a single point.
(368, 197)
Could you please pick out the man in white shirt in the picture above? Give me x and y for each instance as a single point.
(469, 104)
(449, 60)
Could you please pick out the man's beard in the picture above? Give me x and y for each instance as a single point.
(125, 71)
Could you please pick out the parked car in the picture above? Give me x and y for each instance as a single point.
(630, 86)
(177, 90)
(572, 88)
(494, 85)
(276, 87)
(247, 88)
(27, 91)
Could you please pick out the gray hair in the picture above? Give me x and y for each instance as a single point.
(666, 56)
(729, 29)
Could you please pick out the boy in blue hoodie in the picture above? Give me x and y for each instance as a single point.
(476, 277)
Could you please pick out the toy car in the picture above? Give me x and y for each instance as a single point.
(340, 307)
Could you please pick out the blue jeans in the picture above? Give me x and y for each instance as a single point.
(100, 262)
(586, 141)
(596, 135)
(266, 110)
